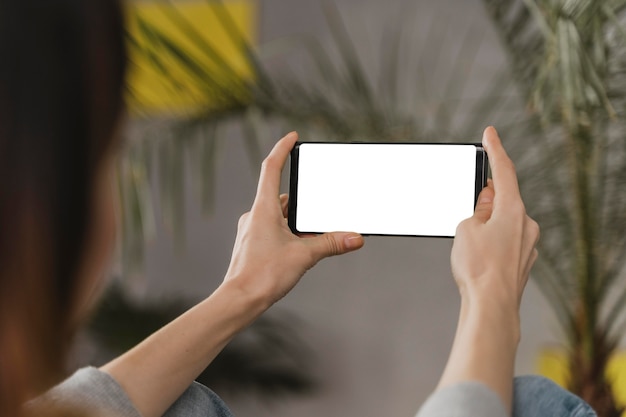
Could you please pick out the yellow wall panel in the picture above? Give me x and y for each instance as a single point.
(186, 56)
(552, 363)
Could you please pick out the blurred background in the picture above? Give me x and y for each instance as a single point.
(215, 84)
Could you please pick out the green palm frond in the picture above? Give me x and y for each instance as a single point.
(575, 84)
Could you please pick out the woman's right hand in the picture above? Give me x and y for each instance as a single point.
(494, 250)
(492, 255)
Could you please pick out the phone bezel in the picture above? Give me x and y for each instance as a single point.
(482, 169)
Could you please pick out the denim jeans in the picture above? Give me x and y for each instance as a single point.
(533, 396)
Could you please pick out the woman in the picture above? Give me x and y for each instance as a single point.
(61, 84)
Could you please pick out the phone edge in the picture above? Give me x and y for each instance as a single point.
(293, 187)
(482, 169)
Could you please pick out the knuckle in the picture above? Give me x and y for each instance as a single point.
(243, 219)
(535, 230)
(333, 247)
(483, 205)
(267, 163)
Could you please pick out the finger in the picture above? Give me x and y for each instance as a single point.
(284, 204)
(269, 180)
(484, 205)
(335, 243)
(502, 168)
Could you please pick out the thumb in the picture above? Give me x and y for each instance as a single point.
(335, 243)
(484, 206)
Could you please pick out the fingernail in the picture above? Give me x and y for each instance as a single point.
(487, 139)
(290, 134)
(484, 141)
(353, 241)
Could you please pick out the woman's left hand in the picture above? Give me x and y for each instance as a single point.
(268, 259)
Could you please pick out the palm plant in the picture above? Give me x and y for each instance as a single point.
(568, 60)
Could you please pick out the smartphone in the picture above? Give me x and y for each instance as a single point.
(394, 189)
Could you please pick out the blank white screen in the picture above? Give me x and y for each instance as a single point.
(394, 189)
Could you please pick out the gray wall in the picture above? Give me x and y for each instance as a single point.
(381, 320)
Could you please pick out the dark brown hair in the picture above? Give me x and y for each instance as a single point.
(62, 66)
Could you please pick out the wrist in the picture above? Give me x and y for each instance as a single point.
(239, 295)
(496, 316)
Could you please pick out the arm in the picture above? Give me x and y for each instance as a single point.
(492, 255)
(268, 261)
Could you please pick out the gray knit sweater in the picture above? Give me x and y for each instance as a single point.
(98, 394)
